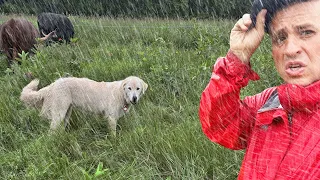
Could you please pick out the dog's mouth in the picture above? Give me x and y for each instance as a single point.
(133, 102)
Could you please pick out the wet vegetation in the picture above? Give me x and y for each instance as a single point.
(160, 138)
(132, 8)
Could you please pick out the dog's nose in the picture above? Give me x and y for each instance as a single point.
(134, 99)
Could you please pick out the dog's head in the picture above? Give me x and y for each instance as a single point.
(134, 88)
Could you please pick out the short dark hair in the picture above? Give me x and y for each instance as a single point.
(272, 6)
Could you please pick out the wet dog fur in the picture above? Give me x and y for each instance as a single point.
(111, 99)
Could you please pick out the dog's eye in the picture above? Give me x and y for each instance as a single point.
(138, 88)
(129, 88)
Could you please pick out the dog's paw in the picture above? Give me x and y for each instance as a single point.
(111, 134)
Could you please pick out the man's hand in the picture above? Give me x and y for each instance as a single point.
(245, 40)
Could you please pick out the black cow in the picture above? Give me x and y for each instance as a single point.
(48, 22)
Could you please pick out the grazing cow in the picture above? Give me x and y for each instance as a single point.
(1, 49)
(17, 35)
(48, 22)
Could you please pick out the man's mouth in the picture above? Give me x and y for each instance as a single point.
(295, 67)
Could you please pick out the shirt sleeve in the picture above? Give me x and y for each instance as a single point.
(226, 119)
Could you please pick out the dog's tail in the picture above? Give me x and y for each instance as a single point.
(30, 95)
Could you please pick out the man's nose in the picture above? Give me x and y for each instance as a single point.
(292, 47)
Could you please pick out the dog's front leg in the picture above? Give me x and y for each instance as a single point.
(112, 125)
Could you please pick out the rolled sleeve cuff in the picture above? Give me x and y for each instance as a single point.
(234, 70)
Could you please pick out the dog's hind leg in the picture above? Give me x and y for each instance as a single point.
(55, 123)
(57, 119)
(67, 117)
(60, 111)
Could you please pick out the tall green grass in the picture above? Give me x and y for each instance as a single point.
(160, 138)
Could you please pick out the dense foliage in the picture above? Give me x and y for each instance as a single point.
(132, 8)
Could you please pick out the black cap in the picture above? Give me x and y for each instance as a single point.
(272, 6)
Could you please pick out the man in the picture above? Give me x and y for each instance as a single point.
(280, 127)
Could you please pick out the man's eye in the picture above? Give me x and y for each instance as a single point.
(306, 33)
(279, 40)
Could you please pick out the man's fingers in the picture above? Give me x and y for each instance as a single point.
(261, 20)
(246, 20)
(243, 24)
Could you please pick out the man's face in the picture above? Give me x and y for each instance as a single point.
(295, 33)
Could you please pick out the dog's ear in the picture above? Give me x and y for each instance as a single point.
(145, 86)
(124, 82)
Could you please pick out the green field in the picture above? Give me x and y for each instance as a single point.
(161, 137)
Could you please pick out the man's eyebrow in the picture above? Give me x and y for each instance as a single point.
(278, 32)
(304, 26)
(297, 27)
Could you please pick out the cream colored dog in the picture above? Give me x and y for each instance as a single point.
(111, 99)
